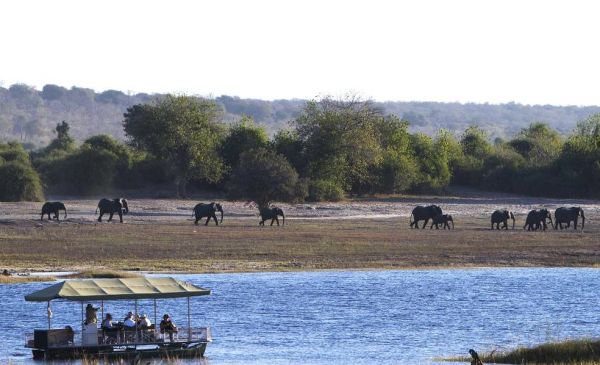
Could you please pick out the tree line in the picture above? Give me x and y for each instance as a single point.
(30, 115)
(332, 148)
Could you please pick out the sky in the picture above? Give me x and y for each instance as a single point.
(531, 52)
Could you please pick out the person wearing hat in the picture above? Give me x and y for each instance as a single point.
(167, 326)
(91, 314)
(144, 322)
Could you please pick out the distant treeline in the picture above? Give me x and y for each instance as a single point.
(330, 149)
(29, 115)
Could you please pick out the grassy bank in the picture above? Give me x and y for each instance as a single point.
(580, 352)
(15, 279)
(102, 274)
(241, 245)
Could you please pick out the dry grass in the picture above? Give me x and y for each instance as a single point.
(102, 274)
(241, 245)
(15, 279)
(574, 352)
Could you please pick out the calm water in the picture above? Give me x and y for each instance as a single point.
(384, 317)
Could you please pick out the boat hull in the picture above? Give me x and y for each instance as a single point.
(170, 351)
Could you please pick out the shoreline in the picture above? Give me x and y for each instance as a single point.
(58, 275)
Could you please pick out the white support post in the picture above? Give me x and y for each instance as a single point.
(155, 323)
(49, 310)
(189, 321)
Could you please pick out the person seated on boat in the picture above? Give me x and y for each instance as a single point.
(144, 322)
(129, 323)
(167, 326)
(109, 328)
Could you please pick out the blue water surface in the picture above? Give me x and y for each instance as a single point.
(358, 317)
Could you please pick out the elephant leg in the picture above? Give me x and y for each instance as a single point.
(505, 225)
(215, 218)
(120, 216)
(56, 216)
(100, 216)
(277, 220)
(272, 221)
(261, 223)
(425, 224)
(575, 224)
(110, 216)
(207, 220)
(42, 217)
(196, 221)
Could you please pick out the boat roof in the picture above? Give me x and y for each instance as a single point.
(115, 289)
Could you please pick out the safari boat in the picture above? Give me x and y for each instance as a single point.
(93, 341)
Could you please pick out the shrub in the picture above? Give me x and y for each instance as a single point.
(19, 182)
(325, 190)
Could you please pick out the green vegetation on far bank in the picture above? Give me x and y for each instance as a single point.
(333, 148)
(580, 352)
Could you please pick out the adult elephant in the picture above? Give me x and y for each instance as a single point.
(421, 213)
(537, 219)
(117, 205)
(272, 214)
(568, 215)
(202, 210)
(53, 207)
(442, 219)
(502, 216)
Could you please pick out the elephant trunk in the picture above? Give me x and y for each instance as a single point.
(582, 219)
(550, 217)
(65, 213)
(221, 210)
(512, 216)
(283, 215)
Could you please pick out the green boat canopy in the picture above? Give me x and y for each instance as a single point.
(113, 289)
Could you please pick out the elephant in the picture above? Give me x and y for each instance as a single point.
(442, 219)
(566, 215)
(424, 213)
(53, 207)
(117, 205)
(537, 219)
(202, 210)
(502, 216)
(271, 213)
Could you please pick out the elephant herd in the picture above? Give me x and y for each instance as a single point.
(537, 219)
(120, 207)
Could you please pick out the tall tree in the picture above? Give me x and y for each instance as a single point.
(182, 130)
(341, 140)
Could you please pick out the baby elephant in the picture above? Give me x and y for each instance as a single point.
(53, 207)
(442, 219)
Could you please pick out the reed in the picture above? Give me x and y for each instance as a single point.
(573, 352)
(103, 274)
(17, 279)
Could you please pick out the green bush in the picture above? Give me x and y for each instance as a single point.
(264, 176)
(324, 190)
(19, 182)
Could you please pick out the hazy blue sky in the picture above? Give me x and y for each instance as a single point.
(482, 51)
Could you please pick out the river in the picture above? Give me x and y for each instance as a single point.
(358, 317)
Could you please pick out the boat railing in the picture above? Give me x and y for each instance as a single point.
(72, 338)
